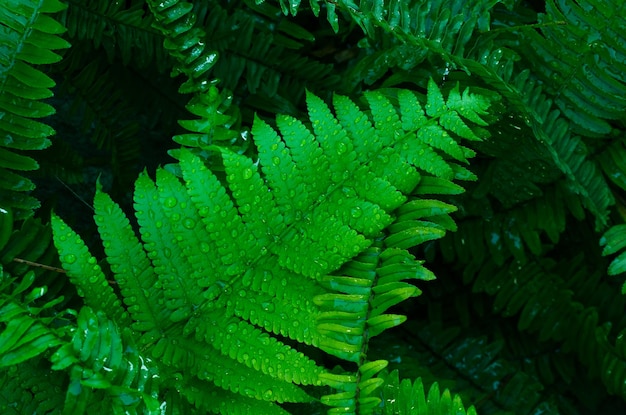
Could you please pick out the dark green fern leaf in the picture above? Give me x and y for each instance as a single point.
(253, 62)
(120, 28)
(28, 36)
(31, 387)
(583, 60)
(538, 296)
(175, 20)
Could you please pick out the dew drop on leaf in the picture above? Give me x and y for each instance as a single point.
(356, 212)
(70, 258)
(231, 328)
(204, 247)
(247, 173)
(341, 148)
(189, 223)
(170, 202)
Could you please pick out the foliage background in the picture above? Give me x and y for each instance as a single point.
(523, 318)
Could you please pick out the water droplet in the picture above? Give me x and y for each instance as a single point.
(247, 173)
(70, 258)
(341, 148)
(268, 394)
(268, 306)
(280, 356)
(189, 223)
(204, 247)
(356, 212)
(170, 202)
(242, 293)
(276, 161)
(231, 328)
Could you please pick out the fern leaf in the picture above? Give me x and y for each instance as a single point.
(29, 37)
(31, 387)
(120, 29)
(27, 331)
(218, 259)
(106, 370)
(574, 57)
(86, 274)
(175, 20)
(614, 240)
(410, 398)
(129, 262)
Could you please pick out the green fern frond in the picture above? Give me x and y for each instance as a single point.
(253, 62)
(29, 36)
(78, 263)
(31, 387)
(227, 251)
(614, 240)
(495, 65)
(410, 398)
(121, 29)
(526, 290)
(26, 321)
(583, 61)
(184, 42)
(107, 373)
(518, 231)
(613, 162)
(186, 45)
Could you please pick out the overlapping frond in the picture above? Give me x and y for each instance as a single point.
(186, 44)
(544, 305)
(28, 36)
(583, 60)
(106, 370)
(447, 24)
(31, 387)
(257, 60)
(122, 29)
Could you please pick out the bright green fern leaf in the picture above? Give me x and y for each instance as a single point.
(210, 284)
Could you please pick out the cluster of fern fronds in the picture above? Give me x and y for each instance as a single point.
(343, 207)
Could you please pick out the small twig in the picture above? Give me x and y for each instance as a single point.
(36, 264)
